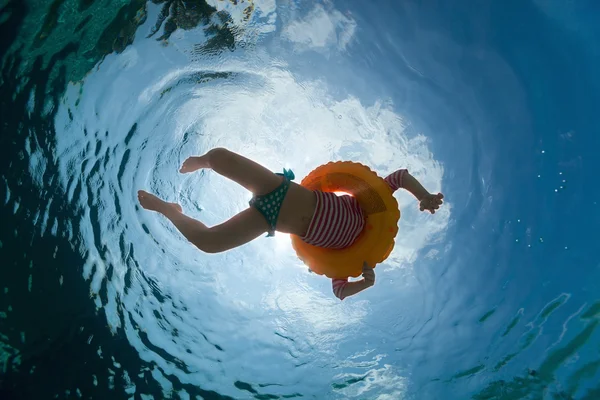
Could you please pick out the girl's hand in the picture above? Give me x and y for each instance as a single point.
(368, 274)
(431, 202)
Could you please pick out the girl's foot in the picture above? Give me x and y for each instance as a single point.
(192, 164)
(153, 203)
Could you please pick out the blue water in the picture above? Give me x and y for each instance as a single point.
(494, 103)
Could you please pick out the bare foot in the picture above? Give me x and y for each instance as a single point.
(153, 203)
(192, 164)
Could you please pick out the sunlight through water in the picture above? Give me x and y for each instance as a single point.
(205, 317)
(492, 103)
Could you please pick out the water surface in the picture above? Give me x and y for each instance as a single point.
(494, 297)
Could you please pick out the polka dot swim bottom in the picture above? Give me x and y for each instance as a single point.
(269, 204)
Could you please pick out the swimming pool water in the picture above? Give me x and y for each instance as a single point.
(493, 103)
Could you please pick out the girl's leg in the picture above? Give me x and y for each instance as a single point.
(241, 229)
(251, 175)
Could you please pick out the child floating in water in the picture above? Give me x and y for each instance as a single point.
(318, 218)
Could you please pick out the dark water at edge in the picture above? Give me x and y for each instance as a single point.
(63, 343)
(57, 321)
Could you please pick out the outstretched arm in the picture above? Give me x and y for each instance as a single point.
(402, 179)
(342, 288)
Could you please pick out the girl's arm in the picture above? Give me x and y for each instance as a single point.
(402, 179)
(342, 288)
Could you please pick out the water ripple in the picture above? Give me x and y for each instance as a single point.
(457, 303)
(202, 318)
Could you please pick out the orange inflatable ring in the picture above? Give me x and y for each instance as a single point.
(376, 241)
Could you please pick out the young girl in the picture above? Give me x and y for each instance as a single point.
(318, 218)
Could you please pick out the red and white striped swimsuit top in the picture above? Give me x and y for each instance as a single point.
(338, 220)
